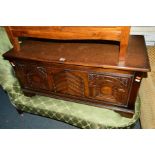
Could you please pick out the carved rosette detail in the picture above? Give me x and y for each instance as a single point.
(34, 76)
(37, 77)
(109, 88)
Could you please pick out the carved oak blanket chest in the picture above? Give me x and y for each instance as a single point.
(86, 71)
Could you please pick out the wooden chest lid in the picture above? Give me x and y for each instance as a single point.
(96, 54)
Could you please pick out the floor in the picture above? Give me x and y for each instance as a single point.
(10, 119)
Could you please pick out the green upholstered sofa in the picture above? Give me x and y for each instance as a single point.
(82, 116)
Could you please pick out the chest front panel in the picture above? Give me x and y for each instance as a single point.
(100, 86)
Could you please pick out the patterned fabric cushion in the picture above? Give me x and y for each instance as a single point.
(82, 116)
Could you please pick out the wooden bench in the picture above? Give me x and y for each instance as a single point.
(113, 33)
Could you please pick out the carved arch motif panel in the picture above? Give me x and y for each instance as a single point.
(113, 89)
(33, 76)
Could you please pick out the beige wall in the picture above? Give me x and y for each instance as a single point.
(147, 31)
(143, 29)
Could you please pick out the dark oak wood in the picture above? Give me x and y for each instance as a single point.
(94, 54)
(28, 94)
(86, 72)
